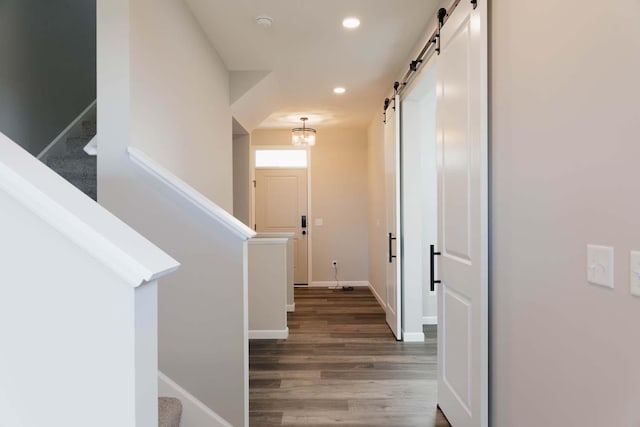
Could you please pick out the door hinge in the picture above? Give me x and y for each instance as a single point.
(255, 228)
(254, 183)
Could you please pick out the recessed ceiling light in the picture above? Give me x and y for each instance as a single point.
(351, 22)
(339, 90)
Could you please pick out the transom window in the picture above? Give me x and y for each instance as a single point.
(281, 158)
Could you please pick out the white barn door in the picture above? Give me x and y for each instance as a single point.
(462, 220)
(392, 192)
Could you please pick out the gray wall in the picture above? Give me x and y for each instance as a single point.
(203, 345)
(47, 67)
(565, 152)
(242, 179)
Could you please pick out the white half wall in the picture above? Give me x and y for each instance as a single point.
(204, 304)
(268, 283)
(291, 303)
(68, 332)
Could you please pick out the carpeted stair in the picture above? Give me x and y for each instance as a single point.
(76, 166)
(169, 412)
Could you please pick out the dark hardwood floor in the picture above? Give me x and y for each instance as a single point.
(342, 366)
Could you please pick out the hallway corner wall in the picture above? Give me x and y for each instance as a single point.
(242, 178)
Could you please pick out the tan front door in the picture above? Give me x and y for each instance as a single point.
(281, 207)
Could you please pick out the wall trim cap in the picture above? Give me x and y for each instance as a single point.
(192, 195)
(282, 334)
(75, 216)
(430, 320)
(412, 336)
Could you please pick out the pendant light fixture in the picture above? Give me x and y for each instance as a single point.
(303, 136)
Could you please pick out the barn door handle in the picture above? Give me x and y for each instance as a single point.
(433, 268)
(391, 256)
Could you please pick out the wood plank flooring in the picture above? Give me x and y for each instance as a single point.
(341, 366)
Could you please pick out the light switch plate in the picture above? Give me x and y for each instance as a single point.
(600, 265)
(635, 273)
(318, 222)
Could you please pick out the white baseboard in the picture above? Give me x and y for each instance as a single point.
(412, 336)
(291, 308)
(430, 320)
(194, 412)
(331, 284)
(67, 131)
(378, 297)
(269, 335)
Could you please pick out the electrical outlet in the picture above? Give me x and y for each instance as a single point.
(334, 263)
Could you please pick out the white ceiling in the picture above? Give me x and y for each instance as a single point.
(310, 52)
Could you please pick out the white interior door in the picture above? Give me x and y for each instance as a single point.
(462, 223)
(392, 192)
(281, 207)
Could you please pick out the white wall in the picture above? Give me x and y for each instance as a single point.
(291, 303)
(78, 306)
(565, 121)
(419, 200)
(67, 325)
(162, 88)
(180, 98)
(338, 197)
(268, 282)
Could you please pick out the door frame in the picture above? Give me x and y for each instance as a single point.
(421, 74)
(252, 208)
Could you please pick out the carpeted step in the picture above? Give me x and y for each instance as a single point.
(76, 145)
(82, 166)
(76, 166)
(89, 128)
(169, 412)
